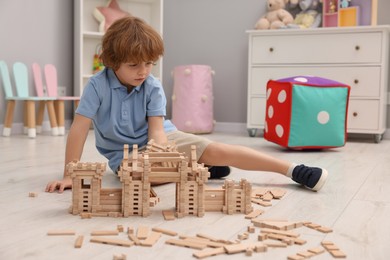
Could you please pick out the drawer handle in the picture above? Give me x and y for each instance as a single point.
(356, 81)
(355, 114)
(357, 47)
(271, 49)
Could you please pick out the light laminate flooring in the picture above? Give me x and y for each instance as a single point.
(355, 203)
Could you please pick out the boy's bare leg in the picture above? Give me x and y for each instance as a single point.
(219, 154)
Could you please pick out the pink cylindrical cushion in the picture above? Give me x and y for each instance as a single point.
(192, 99)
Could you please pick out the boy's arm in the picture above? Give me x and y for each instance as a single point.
(74, 148)
(156, 129)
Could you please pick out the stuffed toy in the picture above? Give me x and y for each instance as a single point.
(107, 15)
(308, 17)
(276, 16)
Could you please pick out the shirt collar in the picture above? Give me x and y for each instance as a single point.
(114, 83)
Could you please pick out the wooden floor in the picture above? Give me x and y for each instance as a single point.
(355, 203)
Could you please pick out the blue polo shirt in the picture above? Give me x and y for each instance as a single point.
(119, 117)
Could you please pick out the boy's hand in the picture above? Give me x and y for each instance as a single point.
(61, 185)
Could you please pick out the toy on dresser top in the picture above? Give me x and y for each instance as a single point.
(276, 17)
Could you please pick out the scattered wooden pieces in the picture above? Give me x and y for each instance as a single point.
(142, 232)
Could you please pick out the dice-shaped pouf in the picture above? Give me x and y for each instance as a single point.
(192, 99)
(306, 112)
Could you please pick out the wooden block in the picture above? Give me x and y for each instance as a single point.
(277, 193)
(261, 202)
(79, 241)
(279, 232)
(262, 237)
(254, 214)
(33, 194)
(130, 230)
(295, 257)
(267, 197)
(209, 252)
(105, 233)
(235, 248)
(134, 238)
(275, 244)
(165, 231)
(85, 215)
(120, 228)
(248, 252)
(152, 238)
(119, 257)
(324, 229)
(168, 214)
(312, 225)
(331, 247)
(306, 254)
(251, 229)
(142, 232)
(61, 233)
(337, 254)
(316, 250)
(326, 242)
(184, 243)
(110, 241)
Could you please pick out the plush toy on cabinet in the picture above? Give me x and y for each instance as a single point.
(309, 17)
(276, 16)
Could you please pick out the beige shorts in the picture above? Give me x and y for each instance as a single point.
(184, 141)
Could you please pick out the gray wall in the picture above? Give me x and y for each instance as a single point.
(195, 32)
(37, 31)
(212, 33)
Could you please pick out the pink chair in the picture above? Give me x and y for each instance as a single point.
(37, 74)
(50, 72)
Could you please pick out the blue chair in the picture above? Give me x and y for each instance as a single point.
(21, 81)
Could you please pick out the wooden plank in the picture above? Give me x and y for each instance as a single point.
(61, 233)
(152, 238)
(79, 241)
(209, 252)
(183, 243)
(110, 241)
(105, 233)
(165, 231)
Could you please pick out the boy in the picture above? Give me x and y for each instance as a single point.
(126, 105)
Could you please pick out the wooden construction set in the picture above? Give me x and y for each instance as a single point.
(137, 173)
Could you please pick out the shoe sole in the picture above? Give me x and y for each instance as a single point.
(321, 181)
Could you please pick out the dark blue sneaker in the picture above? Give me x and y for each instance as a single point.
(311, 177)
(218, 172)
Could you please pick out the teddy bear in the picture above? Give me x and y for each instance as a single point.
(276, 15)
(308, 17)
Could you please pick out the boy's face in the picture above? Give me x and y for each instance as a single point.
(133, 74)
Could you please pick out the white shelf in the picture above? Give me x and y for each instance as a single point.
(87, 36)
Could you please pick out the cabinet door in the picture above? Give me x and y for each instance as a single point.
(256, 112)
(363, 115)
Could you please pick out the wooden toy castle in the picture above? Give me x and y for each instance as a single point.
(137, 173)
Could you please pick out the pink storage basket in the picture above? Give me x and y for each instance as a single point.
(192, 99)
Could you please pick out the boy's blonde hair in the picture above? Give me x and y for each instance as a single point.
(130, 39)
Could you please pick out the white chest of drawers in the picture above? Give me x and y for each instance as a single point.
(357, 56)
